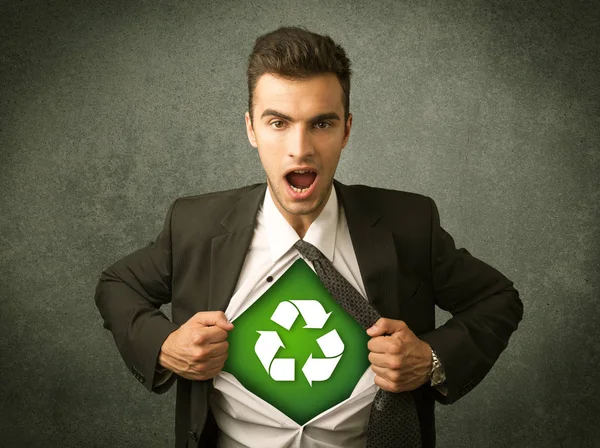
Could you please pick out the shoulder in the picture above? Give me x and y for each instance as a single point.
(205, 211)
(391, 201)
(215, 199)
(400, 211)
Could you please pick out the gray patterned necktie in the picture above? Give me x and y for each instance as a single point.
(393, 422)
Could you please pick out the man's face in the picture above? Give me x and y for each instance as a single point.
(299, 126)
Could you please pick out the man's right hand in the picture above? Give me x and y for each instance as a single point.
(198, 349)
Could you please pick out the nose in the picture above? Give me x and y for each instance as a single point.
(300, 145)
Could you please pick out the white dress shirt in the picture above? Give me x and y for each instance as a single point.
(245, 419)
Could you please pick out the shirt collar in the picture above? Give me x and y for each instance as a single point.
(321, 233)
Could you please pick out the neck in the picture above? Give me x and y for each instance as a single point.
(301, 229)
(301, 223)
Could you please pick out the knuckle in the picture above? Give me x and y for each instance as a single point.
(200, 354)
(201, 368)
(199, 338)
(395, 346)
(395, 363)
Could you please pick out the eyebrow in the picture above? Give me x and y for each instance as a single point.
(325, 116)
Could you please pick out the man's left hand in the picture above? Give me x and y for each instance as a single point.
(400, 360)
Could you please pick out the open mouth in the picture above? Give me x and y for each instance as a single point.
(301, 180)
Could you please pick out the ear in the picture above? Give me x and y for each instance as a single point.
(250, 131)
(347, 130)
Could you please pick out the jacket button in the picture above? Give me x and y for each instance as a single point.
(193, 435)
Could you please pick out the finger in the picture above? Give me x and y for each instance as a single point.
(218, 349)
(202, 364)
(204, 374)
(385, 326)
(385, 344)
(212, 318)
(393, 376)
(384, 361)
(388, 385)
(209, 335)
(203, 353)
(211, 363)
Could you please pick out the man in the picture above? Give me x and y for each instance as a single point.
(388, 245)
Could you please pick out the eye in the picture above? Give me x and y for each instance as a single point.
(325, 122)
(318, 127)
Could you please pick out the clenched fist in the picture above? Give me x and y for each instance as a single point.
(198, 349)
(401, 361)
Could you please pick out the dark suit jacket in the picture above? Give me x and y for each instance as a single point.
(407, 261)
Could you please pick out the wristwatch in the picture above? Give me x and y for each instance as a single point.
(437, 375)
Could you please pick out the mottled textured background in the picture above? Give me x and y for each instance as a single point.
(111, 109)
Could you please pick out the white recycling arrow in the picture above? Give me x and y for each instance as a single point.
(313, 313)
(331, 344)
(282, 369)
(269, 342)
(319, 369)
(266, 348)
(285, 315)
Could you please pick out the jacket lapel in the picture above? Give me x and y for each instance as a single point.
(373, 245)
(375, 252)
(228, 251)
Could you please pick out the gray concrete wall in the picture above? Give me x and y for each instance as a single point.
(110, 110)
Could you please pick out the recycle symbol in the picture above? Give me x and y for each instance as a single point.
(269, 342)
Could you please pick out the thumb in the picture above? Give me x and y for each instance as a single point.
(213, 318)
(385, 326)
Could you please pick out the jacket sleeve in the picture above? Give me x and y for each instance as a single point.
(129, 295)
(485, 307)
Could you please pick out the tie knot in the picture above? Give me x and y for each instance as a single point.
(308, 250)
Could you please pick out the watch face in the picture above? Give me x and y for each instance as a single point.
(438, 377)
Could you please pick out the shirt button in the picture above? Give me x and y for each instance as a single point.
(269, 279)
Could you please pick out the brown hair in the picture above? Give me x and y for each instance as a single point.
(296, 53)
